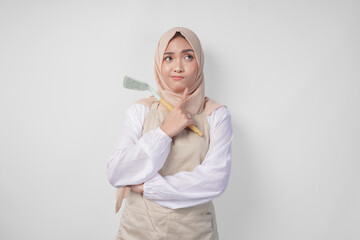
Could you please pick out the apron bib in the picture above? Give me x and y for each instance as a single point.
(143, 219)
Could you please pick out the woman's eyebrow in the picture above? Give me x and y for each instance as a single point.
(183, 51)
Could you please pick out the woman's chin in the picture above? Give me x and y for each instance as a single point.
(179, 90)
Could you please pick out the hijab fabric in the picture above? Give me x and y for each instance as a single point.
(196, 101)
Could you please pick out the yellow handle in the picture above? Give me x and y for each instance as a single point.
(167, 105)
(121, 193)
(191, 126)
(195, 129)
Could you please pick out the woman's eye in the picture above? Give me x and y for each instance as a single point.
(189, 56)
(167, 58)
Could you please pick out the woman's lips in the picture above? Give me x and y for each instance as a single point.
(177, 78)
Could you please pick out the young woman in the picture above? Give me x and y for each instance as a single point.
(173, 173)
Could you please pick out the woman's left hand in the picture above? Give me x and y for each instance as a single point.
(139, 188)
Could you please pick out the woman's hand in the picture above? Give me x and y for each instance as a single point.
(139, 188)
(177, 119)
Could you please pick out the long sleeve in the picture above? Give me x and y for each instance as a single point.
(208, 180)
(136, 158)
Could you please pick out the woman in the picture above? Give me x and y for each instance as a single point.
(172, 172)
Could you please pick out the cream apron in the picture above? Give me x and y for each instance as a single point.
(143, 219)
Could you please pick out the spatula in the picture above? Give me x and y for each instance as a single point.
(131, 83)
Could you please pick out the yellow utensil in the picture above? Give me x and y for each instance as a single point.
(131, 83)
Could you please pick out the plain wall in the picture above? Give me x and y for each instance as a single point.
(287, 70)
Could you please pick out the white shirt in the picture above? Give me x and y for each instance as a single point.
(137, 159)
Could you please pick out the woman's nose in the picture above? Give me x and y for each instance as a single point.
(178, 66)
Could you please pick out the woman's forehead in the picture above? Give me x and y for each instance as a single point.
(178, 44)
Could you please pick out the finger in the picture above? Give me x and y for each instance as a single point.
(183, 97)
(185, 93)
(191, 121)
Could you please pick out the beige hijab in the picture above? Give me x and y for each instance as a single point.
(197, 102)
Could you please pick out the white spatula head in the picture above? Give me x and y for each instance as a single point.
(131, 83)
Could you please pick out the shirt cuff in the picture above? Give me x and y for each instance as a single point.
(150, 190)
(164, 134)
(155, 143)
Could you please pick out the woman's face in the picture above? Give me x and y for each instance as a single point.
(179, 61)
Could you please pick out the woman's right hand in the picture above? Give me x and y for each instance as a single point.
(177, 118)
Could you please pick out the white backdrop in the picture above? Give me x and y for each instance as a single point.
(287, 70)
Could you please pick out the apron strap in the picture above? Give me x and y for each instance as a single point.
(155, 104)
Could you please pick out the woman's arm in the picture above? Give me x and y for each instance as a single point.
(206, 181)
(136, 158)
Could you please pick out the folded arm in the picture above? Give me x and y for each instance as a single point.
(136, 158)
(208, 180)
